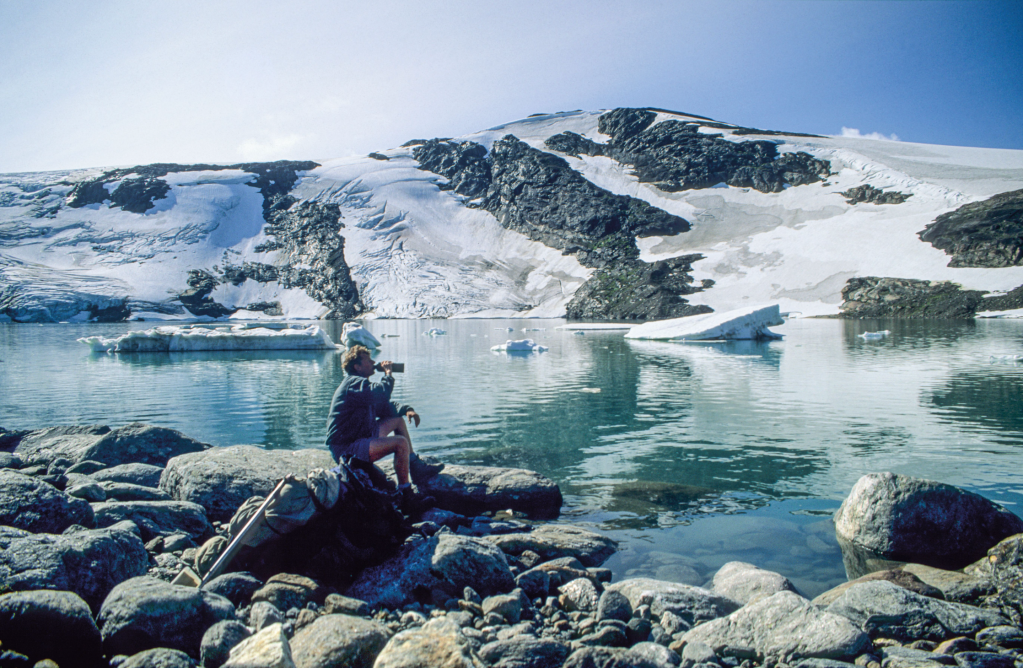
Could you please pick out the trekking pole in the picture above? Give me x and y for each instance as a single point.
(188, 578)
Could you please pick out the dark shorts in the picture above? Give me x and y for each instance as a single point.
(359, 448)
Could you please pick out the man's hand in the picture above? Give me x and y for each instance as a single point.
(385, 366)
(412, 415)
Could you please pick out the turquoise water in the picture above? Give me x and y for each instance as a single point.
(691, 454)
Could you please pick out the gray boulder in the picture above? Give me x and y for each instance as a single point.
(9, 460)
(896, 576)
(144, 613)
(287, 590)
(883, 609)
(552, 541)
(53, 625)
(614, 605)
(268, 648)
(437, 644)
(88, 562)
(693, 604)
(446, 561)
(473, 490)
(42, 446)
(744, 582)
(219, 640)
(139, 443)
(123, 491)
(83, 487)
(954, 585)
(579, 594)
(30, 504)
(235, 587)
(606, 657)
(652, 654)
(984, 660)
(161, 657)
(155, 518)
(921, 521)
(339, 640)
(221, 479)
(525, 652)
(696, 652)
(145, 475)
(783, 625)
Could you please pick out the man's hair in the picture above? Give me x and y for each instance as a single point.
(351, 358)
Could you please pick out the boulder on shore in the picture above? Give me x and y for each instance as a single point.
(473, 490)
(144, 613)
(784, 625)
(743, 582)
(693, 604)
(446, 561)
(552, 541)
(920, 521)
(221, 479)
(155, 518)
(54, 625)
(33, 505)
(88, 562)
(133, 443)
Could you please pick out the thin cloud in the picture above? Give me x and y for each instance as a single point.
(856, 134)
(269, 147)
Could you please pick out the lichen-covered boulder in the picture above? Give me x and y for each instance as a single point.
(743, 582)
(437, 644)
(145, 613)
(145, 475)
(553, 541)
(221, 479)
(33, 505)
(88, 562)
(445, 561)
(782, 625)
(920, 521)
(339, 640)
(53, 625)
(692, 604)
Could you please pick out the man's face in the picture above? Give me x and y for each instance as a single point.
(364, 367)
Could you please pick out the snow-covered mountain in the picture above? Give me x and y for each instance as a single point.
(624, 214)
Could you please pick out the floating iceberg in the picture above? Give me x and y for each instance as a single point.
(354, 334)
(523, 346)
(745, 323)
(874, 336)
(190, 338)
(434, 332)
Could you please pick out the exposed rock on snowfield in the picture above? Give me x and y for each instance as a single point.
(871, 195)
(921, 521)
(873, 297)
(981, 234)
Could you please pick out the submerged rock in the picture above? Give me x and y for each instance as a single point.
(473, 490)
(921, 521)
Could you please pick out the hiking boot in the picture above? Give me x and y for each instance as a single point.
(421, 469)
(412, 503)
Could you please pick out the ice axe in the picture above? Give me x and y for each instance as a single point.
(190, 578)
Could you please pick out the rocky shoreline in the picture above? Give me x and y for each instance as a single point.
(96, 522)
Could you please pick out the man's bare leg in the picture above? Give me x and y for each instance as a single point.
(395, 426)
(399, 447)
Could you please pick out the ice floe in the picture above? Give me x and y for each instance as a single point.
(874, 336)
(354, 334)
(522, 346)
(189, 338)
(744, 323)
(434, 331)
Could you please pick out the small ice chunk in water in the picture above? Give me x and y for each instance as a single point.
(433, 331)
(741, 324)
(874, 336)
(524, 345)
(578, 332)
(1006, 359)
(354, 334)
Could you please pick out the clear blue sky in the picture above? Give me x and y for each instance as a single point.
(122, 83)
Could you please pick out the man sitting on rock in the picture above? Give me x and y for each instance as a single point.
(365, 424)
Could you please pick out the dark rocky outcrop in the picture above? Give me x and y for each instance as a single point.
(981, 234)
(197, 297)
(674, 155)
(875, 297)
(871, 195)
(312, 254)
(541, 196)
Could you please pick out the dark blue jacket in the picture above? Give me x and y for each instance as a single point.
(357, 405)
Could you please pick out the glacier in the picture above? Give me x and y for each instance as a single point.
(416, 248)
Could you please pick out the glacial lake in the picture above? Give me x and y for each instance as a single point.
(691, 455)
